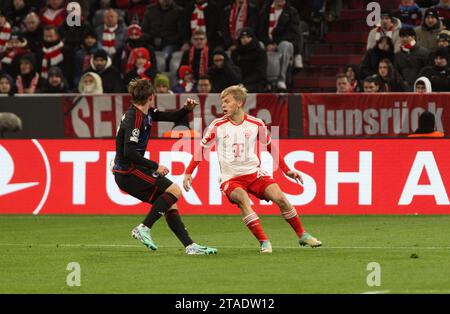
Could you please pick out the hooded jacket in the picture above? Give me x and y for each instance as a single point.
(98, 89)
(438, 76)
(427, 36)
(373, 38)
(427, 83)
(111, 79)
(252, 60)
(229, 75)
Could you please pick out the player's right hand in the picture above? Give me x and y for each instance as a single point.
(187, 182)
(162, 171)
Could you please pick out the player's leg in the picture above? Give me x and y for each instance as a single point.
(177, 226)
(250, 218)
(273, 193)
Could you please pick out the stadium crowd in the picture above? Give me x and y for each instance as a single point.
(218, 43)
(409, 51)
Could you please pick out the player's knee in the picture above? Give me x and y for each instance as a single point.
(281, 201)
(175, 190)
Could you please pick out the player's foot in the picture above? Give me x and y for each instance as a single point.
(307, 239)
(195, 249)
(266, 247)
(142, 233)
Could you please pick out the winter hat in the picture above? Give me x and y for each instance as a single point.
(162, 79)
(100, 53)
(443, 53)
(246, 31)
(184, 69)
(55, 71)
(134, 27)
(445, 35)
(29, 57)
(89, 32)
(407, 32)
(431, 12)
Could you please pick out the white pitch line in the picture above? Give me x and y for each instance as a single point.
(377, 292)
(81, 245)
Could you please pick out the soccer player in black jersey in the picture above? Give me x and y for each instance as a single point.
(143, 178)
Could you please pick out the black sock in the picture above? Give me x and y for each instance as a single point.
(160, 206)
(177, 226)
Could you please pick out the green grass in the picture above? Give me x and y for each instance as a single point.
(35, 251)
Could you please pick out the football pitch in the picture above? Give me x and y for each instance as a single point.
(413, 253)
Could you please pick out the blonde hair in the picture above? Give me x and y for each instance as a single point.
(140, 90)
(238, 92)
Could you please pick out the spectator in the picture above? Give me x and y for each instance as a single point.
(412, 57)
(17, 13)
(443, 10)
(72, 35)
(135, 9)
(136, 39)
(54, 53)
(279, 30)
(371, 84)
(163, 23)
(110, 77)
(343, 84)
(427, 126)
(187, 82)
(198, 56)
(353, 73)
(202, 15)
(162, 84)
(237, 15)
(390, 81)
(56, 83)
(90, 83)
(112, 35)
(443, 40)
(33, 32)
(204, 85)
(251, 58)
(409, 13)
(16, 48)
(54, 13)
(5, 32)
(6, 84)
(83, 56)
(99, 10)
(223, 72)
(427, 33)
(390, 27)
(28, 81)
(439, 73)
(384, 49)
(422, 85)
(139, 66)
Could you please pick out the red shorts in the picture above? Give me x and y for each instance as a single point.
(254, 184)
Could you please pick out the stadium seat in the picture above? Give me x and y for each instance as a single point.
(161, 58)
(273, 66)
(175, 62)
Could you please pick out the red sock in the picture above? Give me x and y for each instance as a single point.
(293, 219)
(252, 223)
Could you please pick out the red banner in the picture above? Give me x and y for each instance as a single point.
(404, 176)
(382, 114)
(99, 116)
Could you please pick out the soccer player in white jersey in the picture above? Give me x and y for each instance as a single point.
(237, 136)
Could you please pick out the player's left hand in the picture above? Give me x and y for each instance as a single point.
(190, 104)
(296, 176)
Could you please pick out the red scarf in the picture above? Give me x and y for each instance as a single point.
(5, 35)
(13, 53)
(198, 18)
(109, 39)
(52, 56)
(407, 48)
(381, 32)
(273, 19)
(203, 68)
(53, 17)
(238, 19)
(33, 84)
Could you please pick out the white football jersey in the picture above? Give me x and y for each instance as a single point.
(237, 145)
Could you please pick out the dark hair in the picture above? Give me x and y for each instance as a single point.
(372, 79)
(204, 77)
(389, 41)
(51, 27)
(140, 90)
(427, 123)
(342, 75)
(407, 31)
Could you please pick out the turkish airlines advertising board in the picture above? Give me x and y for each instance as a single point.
(404, 176)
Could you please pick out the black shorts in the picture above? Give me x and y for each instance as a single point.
(142, 183)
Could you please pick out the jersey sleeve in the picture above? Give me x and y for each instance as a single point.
(210, 135)
(132, 125)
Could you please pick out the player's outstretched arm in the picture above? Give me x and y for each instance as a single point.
(174, 116)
